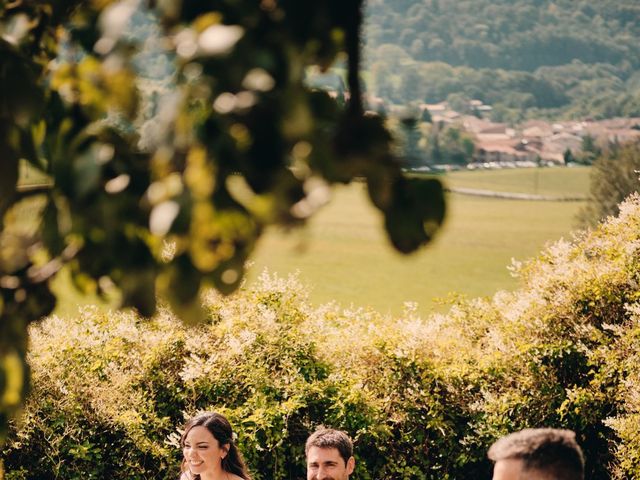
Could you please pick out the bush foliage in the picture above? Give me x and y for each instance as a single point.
(423, 398)
(615, 175)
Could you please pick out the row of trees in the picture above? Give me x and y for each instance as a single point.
(423, 143)
(574, 90)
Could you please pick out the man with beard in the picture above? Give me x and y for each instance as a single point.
(329, 455)
(538, 454)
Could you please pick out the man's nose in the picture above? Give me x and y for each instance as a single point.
(322, 474)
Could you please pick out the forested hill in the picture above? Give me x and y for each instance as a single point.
(509, 34)
(527, 58)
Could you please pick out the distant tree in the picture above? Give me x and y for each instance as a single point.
(459, 102)
(445, 145)
(615, 175)
(568, 157)
(382, 79)
(417, 48)
(456, 146)
(410, 85)
(426, 116)
(589, 151)
(435, 152)
(408, 129)
(392, 55)
(439, 81)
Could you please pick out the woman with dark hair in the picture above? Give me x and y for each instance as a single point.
(209, 450)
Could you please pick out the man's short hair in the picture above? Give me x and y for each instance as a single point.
(549, 451)
(329, 438)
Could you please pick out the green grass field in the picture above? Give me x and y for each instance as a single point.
(569, 182)
(344, 255)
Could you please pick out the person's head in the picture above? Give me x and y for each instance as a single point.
(537, 454)
(208, 446)
(329, 455)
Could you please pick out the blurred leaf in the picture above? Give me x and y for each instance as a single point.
(139, 291)
(28, 149)
(182, 281)
(428, 195)
(39, 302)
(361, 143)
(9, 178)
(180, 285)
(87, 170)
(380, 186)
(229, 274)
(51, 230)
(20, 98)
(415, 214)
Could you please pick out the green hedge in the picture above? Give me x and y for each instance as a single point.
(423, 398)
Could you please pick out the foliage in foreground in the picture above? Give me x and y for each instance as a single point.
(423, 398)
(240, 143)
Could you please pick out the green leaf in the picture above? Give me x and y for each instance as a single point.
(139, 291)
(180, 285)
(21, 100)
(51, 229)
(416, 213)
(39, 303)
(229, 274)
(28, 149)
(184, 281)
(9, 178)
(380, 186)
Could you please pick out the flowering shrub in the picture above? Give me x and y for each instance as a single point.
(423, 398)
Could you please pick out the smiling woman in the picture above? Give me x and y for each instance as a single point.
(209, 450)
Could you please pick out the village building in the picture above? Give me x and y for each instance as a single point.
(536, 129)
(555, 147)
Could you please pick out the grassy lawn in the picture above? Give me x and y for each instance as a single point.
(573, 182)
(344, 255)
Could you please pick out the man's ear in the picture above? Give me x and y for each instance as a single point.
(351, 464)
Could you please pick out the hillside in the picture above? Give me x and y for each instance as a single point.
(566, 58)
(509, 34)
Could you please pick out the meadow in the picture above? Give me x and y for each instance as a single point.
(344, 255)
